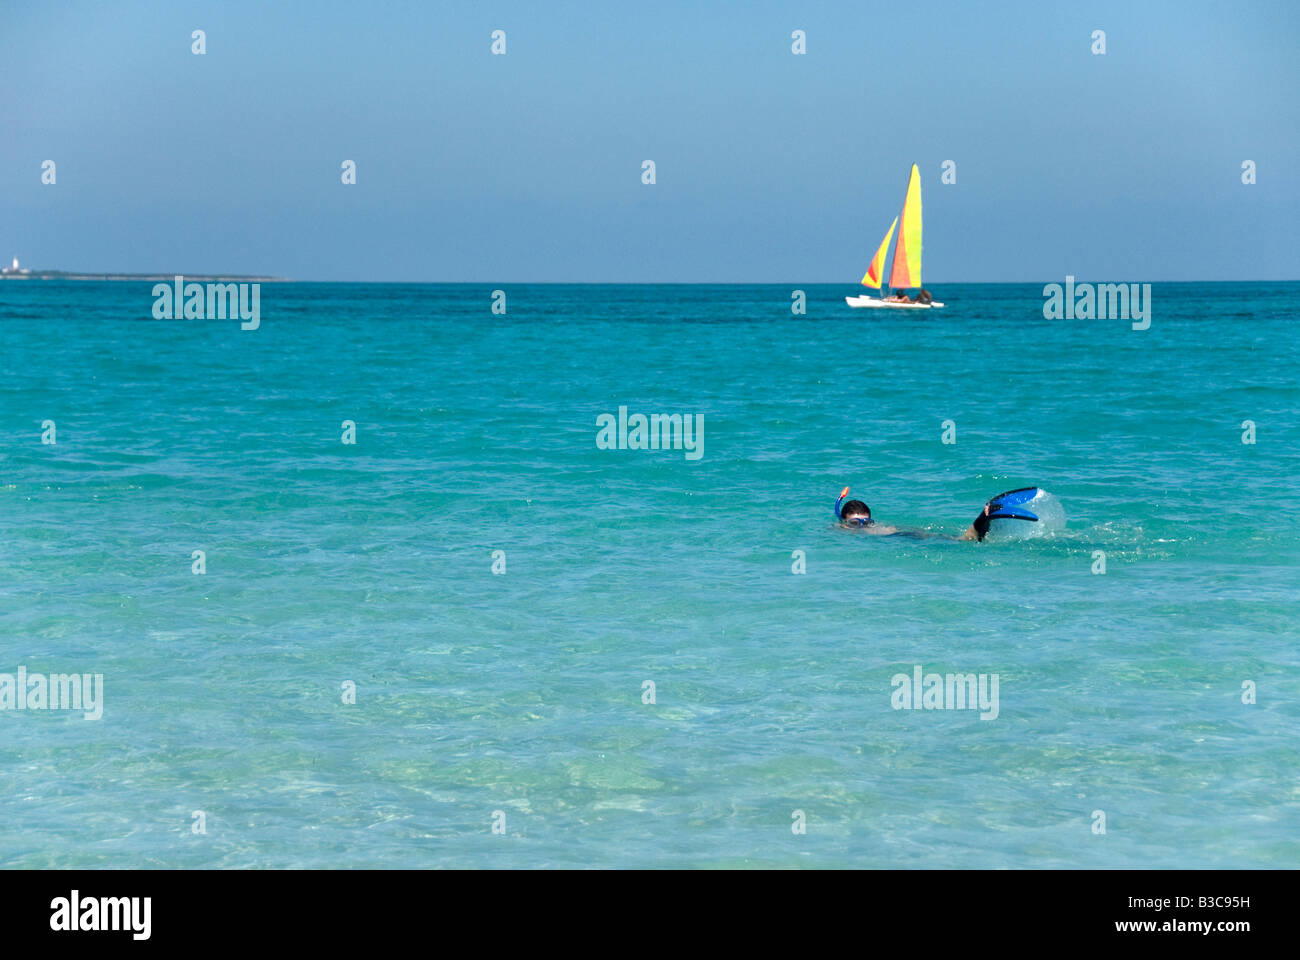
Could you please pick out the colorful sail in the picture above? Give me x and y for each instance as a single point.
(876, 269)
(907, 254)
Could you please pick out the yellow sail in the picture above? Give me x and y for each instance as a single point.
(876, 269)
(907, 254)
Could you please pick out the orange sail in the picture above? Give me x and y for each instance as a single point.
(907, 254)
(876, 269)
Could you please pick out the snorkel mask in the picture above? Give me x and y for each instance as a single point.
(856, 521)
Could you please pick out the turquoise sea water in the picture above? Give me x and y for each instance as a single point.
(523, 692)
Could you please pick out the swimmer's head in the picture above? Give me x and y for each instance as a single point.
(855, 513)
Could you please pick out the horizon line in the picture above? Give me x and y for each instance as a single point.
(108, 275)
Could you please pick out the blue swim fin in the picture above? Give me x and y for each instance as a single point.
(1013, 497)
(1012, 513)
(1006, 506)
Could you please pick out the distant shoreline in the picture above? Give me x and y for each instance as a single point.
(145, 277)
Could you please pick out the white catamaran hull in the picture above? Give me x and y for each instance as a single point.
(873, 302)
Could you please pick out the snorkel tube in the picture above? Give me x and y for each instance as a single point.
(856, 521)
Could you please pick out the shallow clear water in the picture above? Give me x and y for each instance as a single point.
(522, 692)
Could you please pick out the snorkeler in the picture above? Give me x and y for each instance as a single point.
(855, 513)
(1005, 506)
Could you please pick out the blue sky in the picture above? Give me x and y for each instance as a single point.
(770, 166)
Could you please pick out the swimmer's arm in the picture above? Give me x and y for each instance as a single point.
(910, 533)
(885, 530)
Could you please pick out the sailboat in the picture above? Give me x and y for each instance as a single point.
(907, 255)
